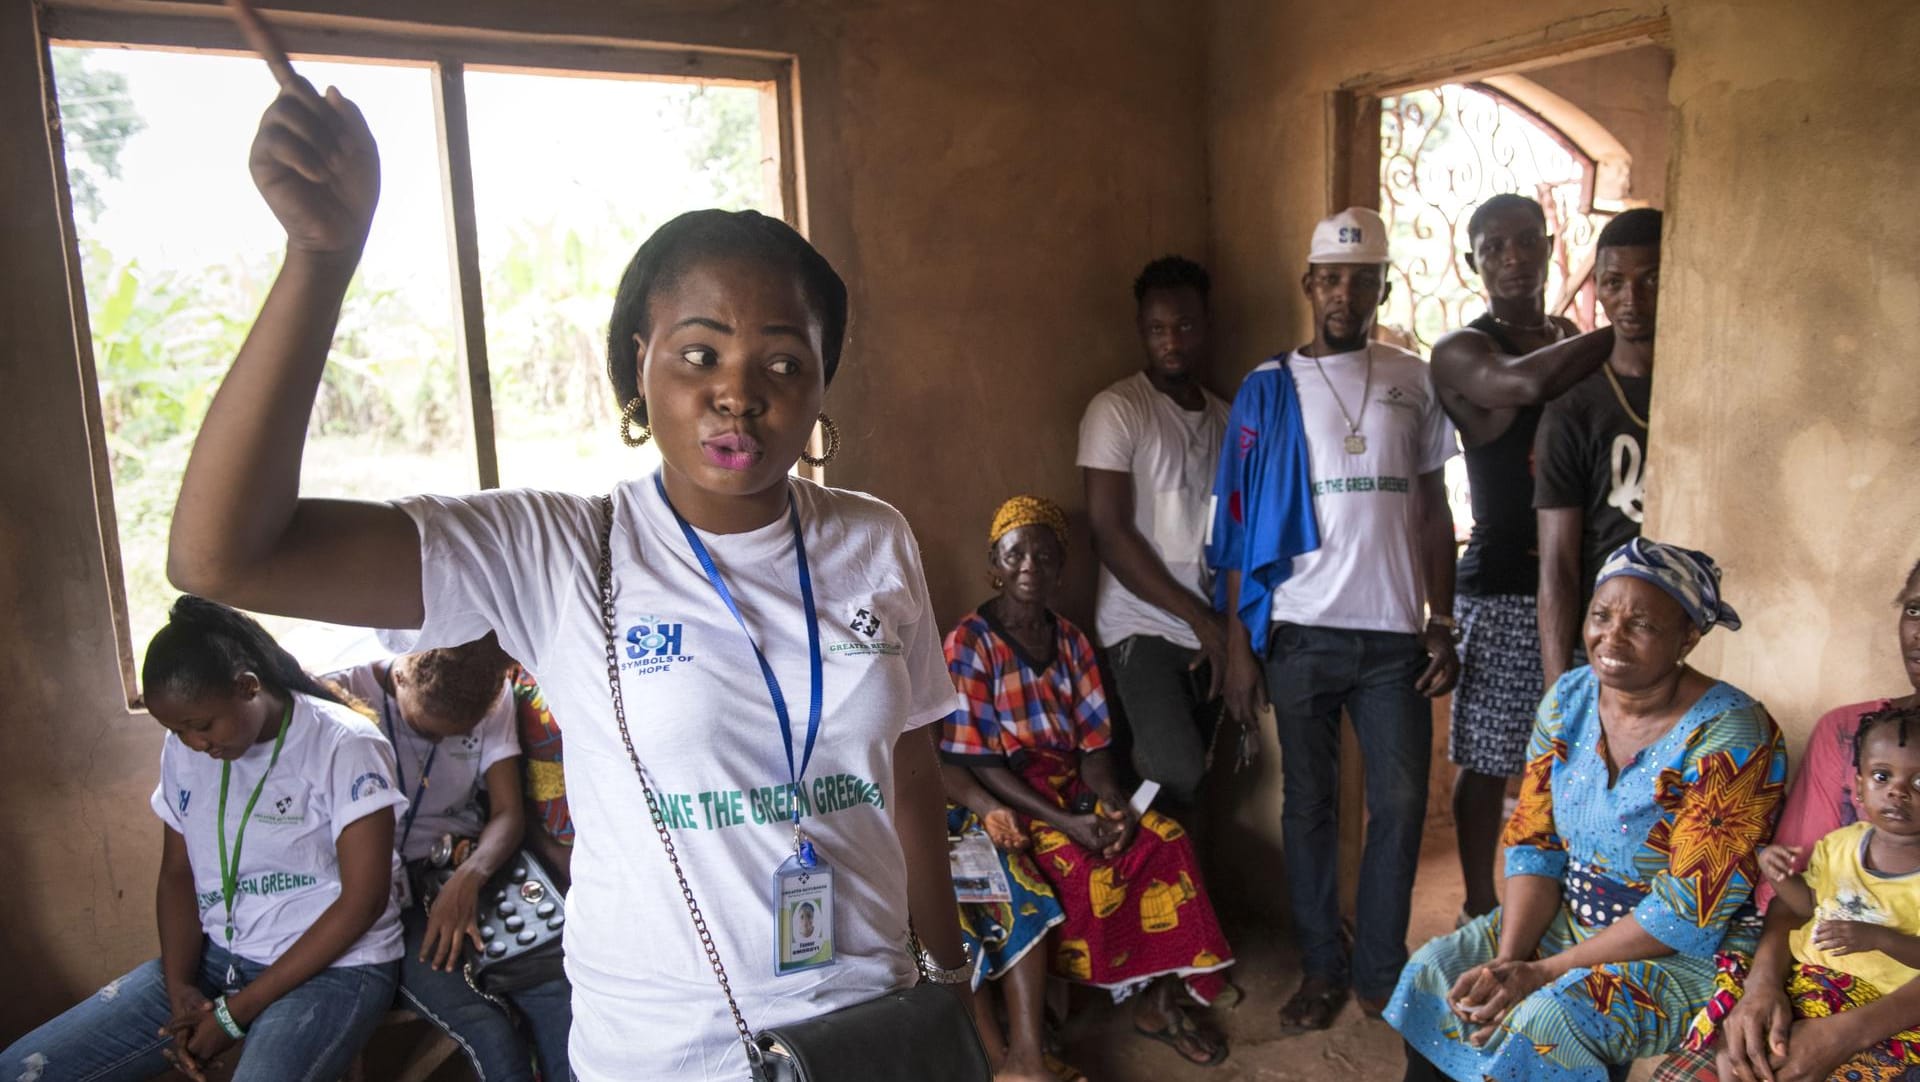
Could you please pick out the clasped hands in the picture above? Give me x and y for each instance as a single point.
(197, 1035)
(1484, 995)
(1106, 831)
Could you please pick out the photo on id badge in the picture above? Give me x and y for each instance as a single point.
(803, 911)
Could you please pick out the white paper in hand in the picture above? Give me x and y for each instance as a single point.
(1143, 796)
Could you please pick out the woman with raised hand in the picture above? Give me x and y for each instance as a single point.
(771, 641)
(278, 921)
(1649, 788)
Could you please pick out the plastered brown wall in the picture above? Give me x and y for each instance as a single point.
(1786, 400)
(988, 176)
(1627, 93)
(1786, 425)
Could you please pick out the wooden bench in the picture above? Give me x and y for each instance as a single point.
(401, 1059)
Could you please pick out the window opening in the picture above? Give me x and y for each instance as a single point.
(1443, 152)
(177, 250)
(561, 208)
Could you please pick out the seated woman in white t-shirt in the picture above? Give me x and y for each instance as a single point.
(450, 716)
(276, 909)
(725, 332)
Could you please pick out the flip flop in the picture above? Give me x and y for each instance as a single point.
(1182, 1027)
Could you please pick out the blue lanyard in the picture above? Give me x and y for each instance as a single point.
(399, 775)
(773, 682)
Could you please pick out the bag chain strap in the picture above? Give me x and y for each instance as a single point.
(754, 1058)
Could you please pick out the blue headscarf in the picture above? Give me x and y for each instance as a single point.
(1690, 577)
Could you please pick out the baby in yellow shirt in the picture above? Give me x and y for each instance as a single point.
(1839, 936)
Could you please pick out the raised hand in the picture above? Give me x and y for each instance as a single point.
(315, 162)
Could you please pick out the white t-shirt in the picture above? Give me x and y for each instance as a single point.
(1366, 573)
(523, 563)
(1171, 453)
(450, 802)
(334, 769)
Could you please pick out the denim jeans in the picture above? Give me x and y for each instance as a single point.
(1156, 695)
(1312, 673)
(308, 1035)
(482, 1030)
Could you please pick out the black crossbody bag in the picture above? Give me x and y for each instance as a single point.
(923, 1034)
(520, 914)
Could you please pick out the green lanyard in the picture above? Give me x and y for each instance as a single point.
(230, 872)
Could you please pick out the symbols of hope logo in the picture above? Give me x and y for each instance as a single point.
(654, 645)
(654, 640)
(1351, 234)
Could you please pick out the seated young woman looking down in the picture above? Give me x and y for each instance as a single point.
(278, 921)
(759, 649)
(450, 716)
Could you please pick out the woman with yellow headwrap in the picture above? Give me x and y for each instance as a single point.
(1036, 737)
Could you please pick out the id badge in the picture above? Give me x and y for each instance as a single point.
(403, 889)
(803, 916)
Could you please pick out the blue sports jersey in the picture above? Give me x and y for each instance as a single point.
(1262, 496)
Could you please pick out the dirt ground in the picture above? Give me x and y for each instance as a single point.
(1100, 1042)
(1099, 1038)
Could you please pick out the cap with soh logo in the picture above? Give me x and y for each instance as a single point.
(1355, 235)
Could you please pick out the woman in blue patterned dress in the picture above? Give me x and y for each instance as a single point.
(1631, 856)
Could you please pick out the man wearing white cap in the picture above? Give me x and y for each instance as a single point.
(1352, 612)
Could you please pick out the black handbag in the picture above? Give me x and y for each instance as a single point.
(922, 1034)
(520, 913)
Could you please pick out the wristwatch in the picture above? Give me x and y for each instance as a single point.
(1442, 620)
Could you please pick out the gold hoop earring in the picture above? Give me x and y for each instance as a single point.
(627, 412)
(829, 441)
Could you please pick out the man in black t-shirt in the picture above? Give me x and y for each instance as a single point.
(1590, 453)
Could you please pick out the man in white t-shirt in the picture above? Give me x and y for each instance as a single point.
(1148, 448)
(1362, 623)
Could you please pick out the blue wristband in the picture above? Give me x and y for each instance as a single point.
(225, 1018)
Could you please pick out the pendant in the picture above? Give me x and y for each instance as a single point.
(1356, 444)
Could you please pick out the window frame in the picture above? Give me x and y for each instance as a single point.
(448, 52)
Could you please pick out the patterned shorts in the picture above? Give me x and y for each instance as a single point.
(1499, 690)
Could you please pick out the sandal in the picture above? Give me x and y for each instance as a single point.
(1181, 1029)
(1312, 1008)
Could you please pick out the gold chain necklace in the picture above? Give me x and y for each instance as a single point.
(1355, 443)
(1620, 393)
